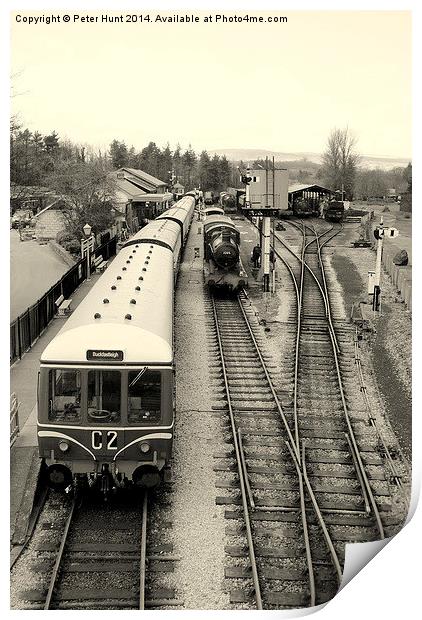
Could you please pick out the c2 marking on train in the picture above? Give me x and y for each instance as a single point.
(97, 440)
(112, 440)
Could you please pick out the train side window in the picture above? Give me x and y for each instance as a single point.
(104, 389)
(144, 397)
(64, 396)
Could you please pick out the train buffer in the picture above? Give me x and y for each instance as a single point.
(99, 264)
(63, 306)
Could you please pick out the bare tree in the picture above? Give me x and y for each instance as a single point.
(88, 193)
(340, 161)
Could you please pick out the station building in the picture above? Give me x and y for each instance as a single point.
(139, 196)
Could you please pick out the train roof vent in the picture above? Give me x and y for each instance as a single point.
(106, 301)
(137, 288)
(128, 317)
(141, 278)
(119, 277)
(113, 288)
(133, 301)
(97, 315)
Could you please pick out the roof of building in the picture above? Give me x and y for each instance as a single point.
(140, 175)
(178, 186)
(300, 187)
(129, 188)
(143, 197)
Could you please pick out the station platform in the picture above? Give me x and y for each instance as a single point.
(24, 461)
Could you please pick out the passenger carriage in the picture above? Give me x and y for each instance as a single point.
(106, 381)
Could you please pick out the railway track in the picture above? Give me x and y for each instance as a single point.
(350, 347)
(300, 465)
(100, 558)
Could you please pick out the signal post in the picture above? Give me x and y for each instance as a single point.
(266, 194)
(374, 277)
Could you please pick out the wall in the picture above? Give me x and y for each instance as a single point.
(400, 276)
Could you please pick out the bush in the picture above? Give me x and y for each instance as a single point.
(73, 246)
(63, 236)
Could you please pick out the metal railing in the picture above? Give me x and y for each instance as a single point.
(14, 418)
(27, 328)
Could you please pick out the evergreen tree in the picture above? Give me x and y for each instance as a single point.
(119, 154)
(165, 164)
(51, 142)
(188, 163)
(177, 163)
(203, 170)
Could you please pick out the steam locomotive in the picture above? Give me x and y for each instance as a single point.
(334, 211)
(228, 202)
(222, 264)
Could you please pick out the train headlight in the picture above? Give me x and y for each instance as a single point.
(64, 446)
(144, 447)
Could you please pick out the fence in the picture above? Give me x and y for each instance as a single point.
(27, 328)
(14, 418)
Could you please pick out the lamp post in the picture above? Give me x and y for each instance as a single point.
(86, 246)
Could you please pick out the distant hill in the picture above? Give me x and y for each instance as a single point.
(385, 163)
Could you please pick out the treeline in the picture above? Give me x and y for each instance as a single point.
(79, 171)
(34, 156)
(374, 183)
(210, 173)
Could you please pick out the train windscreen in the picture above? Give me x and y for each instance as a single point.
(104, 396)
(144, 397)
(64, 396)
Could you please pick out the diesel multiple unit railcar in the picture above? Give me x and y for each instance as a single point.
(222, 264)
(106, 381)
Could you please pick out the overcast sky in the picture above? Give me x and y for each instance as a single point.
(272, 86)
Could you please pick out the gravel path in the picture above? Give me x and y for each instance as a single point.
(387, 355)
(198, 524)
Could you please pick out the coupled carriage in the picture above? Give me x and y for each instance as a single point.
(106, 381)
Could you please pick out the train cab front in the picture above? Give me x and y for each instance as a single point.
(105, 427)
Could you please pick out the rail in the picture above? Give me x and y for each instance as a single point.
(295, 452)
(143, 554)
(244, 496)
(59, 557)
(362, 476)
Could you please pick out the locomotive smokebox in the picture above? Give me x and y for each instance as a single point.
(225, 253)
